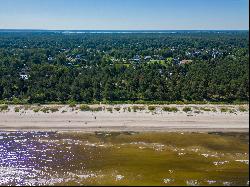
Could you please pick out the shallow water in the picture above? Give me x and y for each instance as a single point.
(128, 158)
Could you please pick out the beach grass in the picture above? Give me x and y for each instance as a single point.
(187, 109)
(170, 109)
(151, 108)
(85, 108)
(4, 107)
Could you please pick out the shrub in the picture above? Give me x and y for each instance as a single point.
(54, 110)
(36, 110)
(151, 108)
(170, 109)
(17, 109)
(187, 109)
(180, 102)
(214, 110)
(135, 108)
(110, 109)
(16, 101)
(205, 109)
(72, 104)
(224, 109)
(232, 110)
(85, 108)
(242, 109)
(117, 108)
(45, 110)
(3, 107)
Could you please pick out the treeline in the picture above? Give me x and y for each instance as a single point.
(227, 80)
(224, 79)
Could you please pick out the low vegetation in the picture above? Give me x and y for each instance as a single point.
(117, 108)
(170, 109)
(72, 104)
(136, 108)
(84, 108)
(187, 109)
(151, 108)
(17, 109)
(242, 109)
(45, 109)
(3, 108)
(36, 110)
(54, 109)
(205, 109)
(109, 109)
(224, 109)
(214, 110)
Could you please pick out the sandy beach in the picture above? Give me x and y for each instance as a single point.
(73, 119)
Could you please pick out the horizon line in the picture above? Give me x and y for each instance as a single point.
(29, 29)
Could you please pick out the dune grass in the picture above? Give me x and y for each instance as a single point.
(170, 109)
(3, 108)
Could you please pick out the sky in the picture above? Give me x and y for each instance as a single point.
(125, 14)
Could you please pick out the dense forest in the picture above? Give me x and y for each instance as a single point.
(56, 66)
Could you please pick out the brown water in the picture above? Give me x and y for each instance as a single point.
(129, 158)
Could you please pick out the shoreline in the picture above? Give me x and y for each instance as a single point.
(134, 129)
(201, 118)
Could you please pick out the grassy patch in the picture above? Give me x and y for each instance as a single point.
(117, 108)
(109, 109)
(17, 109)
(3, 108)
(170, 109)
(36, 110)
(72, 104)
(45, 110)
(151, 108)
(232, 110)
(187, 109)
(242, 109)
(135, 108)
(85, 108)
(214, 110)
(224, 109)
(205, 109)
(54, 109)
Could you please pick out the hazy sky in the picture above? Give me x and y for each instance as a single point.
(124, 14)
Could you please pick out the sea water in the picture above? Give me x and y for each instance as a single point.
(123, 158)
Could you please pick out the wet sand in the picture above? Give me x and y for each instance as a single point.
(67, 119)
